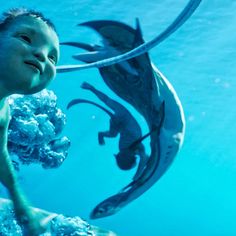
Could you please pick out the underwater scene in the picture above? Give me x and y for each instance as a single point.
(135, 135)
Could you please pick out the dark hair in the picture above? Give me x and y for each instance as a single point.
(125, 162)
(10, 15)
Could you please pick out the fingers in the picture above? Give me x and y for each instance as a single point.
(48, 219)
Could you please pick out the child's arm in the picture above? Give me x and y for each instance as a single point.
(7, 173)
(8, 178)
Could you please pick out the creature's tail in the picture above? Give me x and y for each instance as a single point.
(77, 101)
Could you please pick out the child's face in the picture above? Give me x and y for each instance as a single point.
(29, 51)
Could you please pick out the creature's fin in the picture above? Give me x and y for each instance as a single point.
(138, 35)
(103, 27)
(85, 46)
(108, 30)
(114, 34)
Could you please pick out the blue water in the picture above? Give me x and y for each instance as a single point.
(197, 195)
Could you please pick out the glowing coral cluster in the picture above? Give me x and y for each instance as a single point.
(34, 129)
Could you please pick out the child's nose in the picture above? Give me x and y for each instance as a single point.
(39, 54)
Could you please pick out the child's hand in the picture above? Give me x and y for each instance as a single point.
(29, 222)
(32, 220)
(34, 223)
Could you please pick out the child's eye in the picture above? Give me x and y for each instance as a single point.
(53, 59)
(25, 38)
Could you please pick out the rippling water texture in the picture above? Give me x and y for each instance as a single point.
(197, 195)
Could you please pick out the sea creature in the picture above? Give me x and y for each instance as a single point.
(165, 144)
(142, 85)
(143, 48)
(146, 92)
(122, 123)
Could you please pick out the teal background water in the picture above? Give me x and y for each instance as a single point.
(197, 195)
